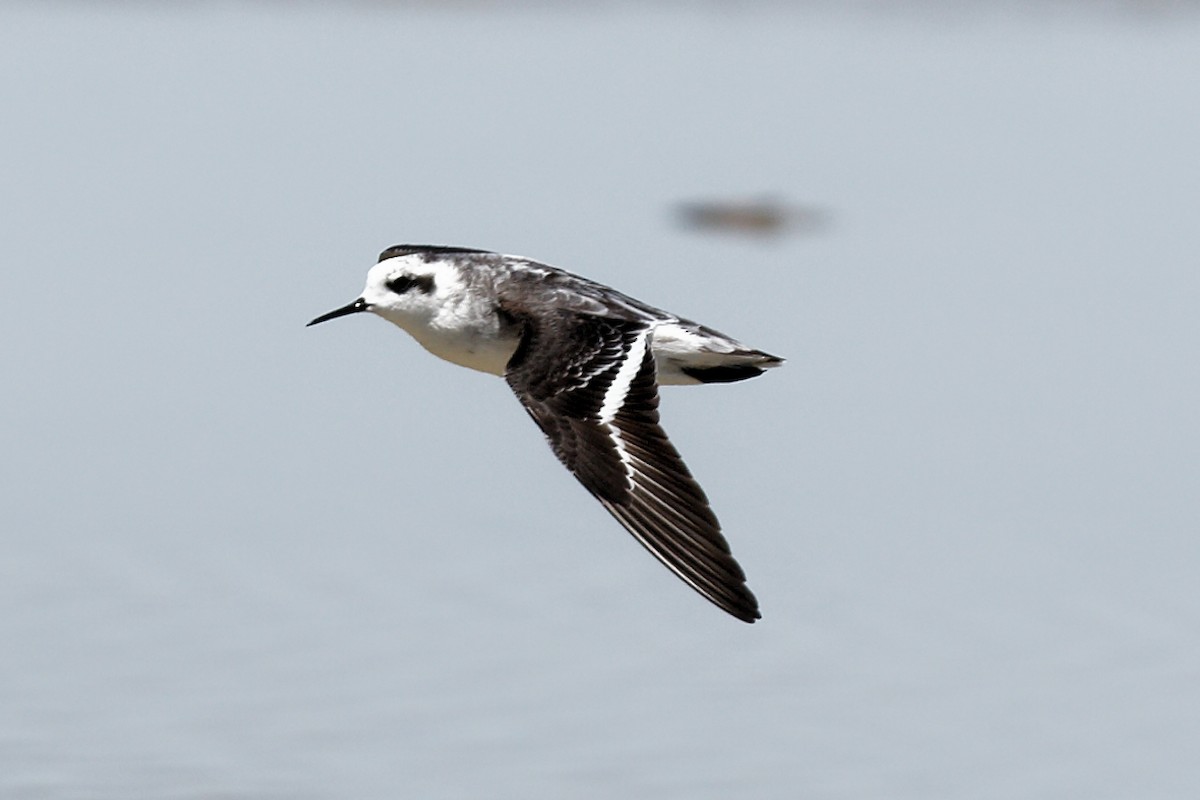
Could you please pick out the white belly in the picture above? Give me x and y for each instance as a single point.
(481, 353)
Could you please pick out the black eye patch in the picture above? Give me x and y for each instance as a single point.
(402, 283)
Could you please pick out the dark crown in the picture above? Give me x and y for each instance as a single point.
(431, 249)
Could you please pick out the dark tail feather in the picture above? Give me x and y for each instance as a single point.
(723, 374)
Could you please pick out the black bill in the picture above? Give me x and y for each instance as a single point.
(354, 308)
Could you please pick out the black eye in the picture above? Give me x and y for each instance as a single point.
(402, 283)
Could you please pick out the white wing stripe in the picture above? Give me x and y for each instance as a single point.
(618, 390)
(614, 398)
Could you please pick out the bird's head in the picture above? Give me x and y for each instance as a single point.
(402, 289)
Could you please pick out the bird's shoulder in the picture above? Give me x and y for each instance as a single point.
(535, 291)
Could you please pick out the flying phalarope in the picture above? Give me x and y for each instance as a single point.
(586, 362)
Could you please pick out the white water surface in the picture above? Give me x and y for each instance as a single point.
(242, 559)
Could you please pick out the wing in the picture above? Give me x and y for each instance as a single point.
(589, 383)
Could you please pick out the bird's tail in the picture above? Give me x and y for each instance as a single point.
(736, 366)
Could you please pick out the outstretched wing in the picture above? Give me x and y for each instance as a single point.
(589, 383)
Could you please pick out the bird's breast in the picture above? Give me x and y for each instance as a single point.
(482, 346)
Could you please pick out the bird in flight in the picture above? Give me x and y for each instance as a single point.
(586, 362)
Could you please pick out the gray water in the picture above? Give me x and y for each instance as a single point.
(241, 559)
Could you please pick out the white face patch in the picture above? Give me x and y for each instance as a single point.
(403, 290)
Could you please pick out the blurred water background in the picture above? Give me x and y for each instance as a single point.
(241, 559)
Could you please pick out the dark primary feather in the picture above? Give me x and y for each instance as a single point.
(561, 370)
